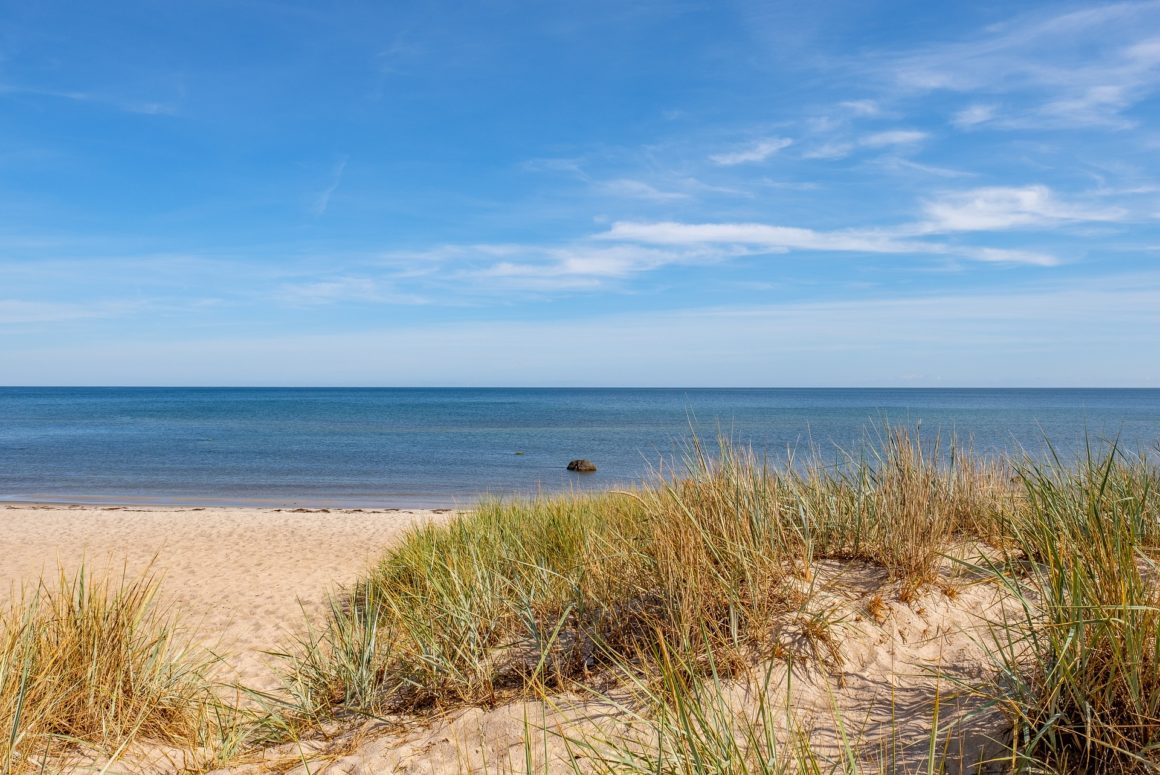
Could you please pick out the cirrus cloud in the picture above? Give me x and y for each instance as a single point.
(757, 152)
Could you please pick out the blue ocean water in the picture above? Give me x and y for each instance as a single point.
(444, 447)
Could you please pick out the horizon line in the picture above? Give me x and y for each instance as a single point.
(578, 387)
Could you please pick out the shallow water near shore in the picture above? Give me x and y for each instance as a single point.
(447, 447)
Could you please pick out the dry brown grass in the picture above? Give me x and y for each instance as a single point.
(94, 662)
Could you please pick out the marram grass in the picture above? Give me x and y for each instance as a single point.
(92, 662)
(530, 595)
(1082, 667)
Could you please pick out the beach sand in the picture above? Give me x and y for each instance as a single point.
(241, 579)
(245, 580)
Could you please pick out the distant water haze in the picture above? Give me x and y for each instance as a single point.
(448, 447)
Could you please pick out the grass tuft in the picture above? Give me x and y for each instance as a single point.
(95, 662)
(1083, 665)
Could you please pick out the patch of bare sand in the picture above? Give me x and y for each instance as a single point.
(240, 578)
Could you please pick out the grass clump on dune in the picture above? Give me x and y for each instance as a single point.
(523, 596)
(1083, 667)
(94, 662)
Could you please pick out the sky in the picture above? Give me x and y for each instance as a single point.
(622, 193)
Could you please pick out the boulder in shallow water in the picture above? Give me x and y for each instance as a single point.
(583, 466)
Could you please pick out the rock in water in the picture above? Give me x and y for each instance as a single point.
(584, 466)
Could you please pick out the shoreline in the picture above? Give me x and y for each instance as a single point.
(356, 502)
(256, 504)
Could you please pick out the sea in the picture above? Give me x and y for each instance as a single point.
(419, 447)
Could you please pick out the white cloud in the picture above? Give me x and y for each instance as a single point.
(464, 272)
(973, 115)
(1000, 208)
(897, 162)
(322, 201)
(1080, 67)
(638, 189)
(892, 137)
(767, 237)
(757, 152)
(861, 107)
(889, 138)
(829, 151)
(989, 209)
(584, 265)
(588, 261)
(789, 185)
(1094, 105)
(627, 249)
(1007, 256)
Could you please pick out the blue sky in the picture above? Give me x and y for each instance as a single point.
(602, 193)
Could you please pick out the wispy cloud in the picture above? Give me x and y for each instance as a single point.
(973, 115)
(454, 273)
(889, 138)
(322, 201)
(892, 137)
(1007, 256)
(1000, 208)
(781, 239)
(768, 237)
(1079, 67)
(21, 311)
(832, 150)
(579, 266)
(861, 107)
(124, 104)
(573, 166)
(755, 152)
(616, 257)
(1027, 336)
(638, 189)
(344, 289)
(899, 163)
(988, 209)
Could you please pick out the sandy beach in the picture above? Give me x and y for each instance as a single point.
(245, 581)
(242, 579)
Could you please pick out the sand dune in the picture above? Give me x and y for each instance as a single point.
(245, 580)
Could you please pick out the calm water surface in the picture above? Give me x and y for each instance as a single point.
(427, 447)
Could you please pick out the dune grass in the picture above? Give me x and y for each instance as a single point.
(673, 590)
(1082, 667)
(522, 596)
(93, 662)
(530, 597)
